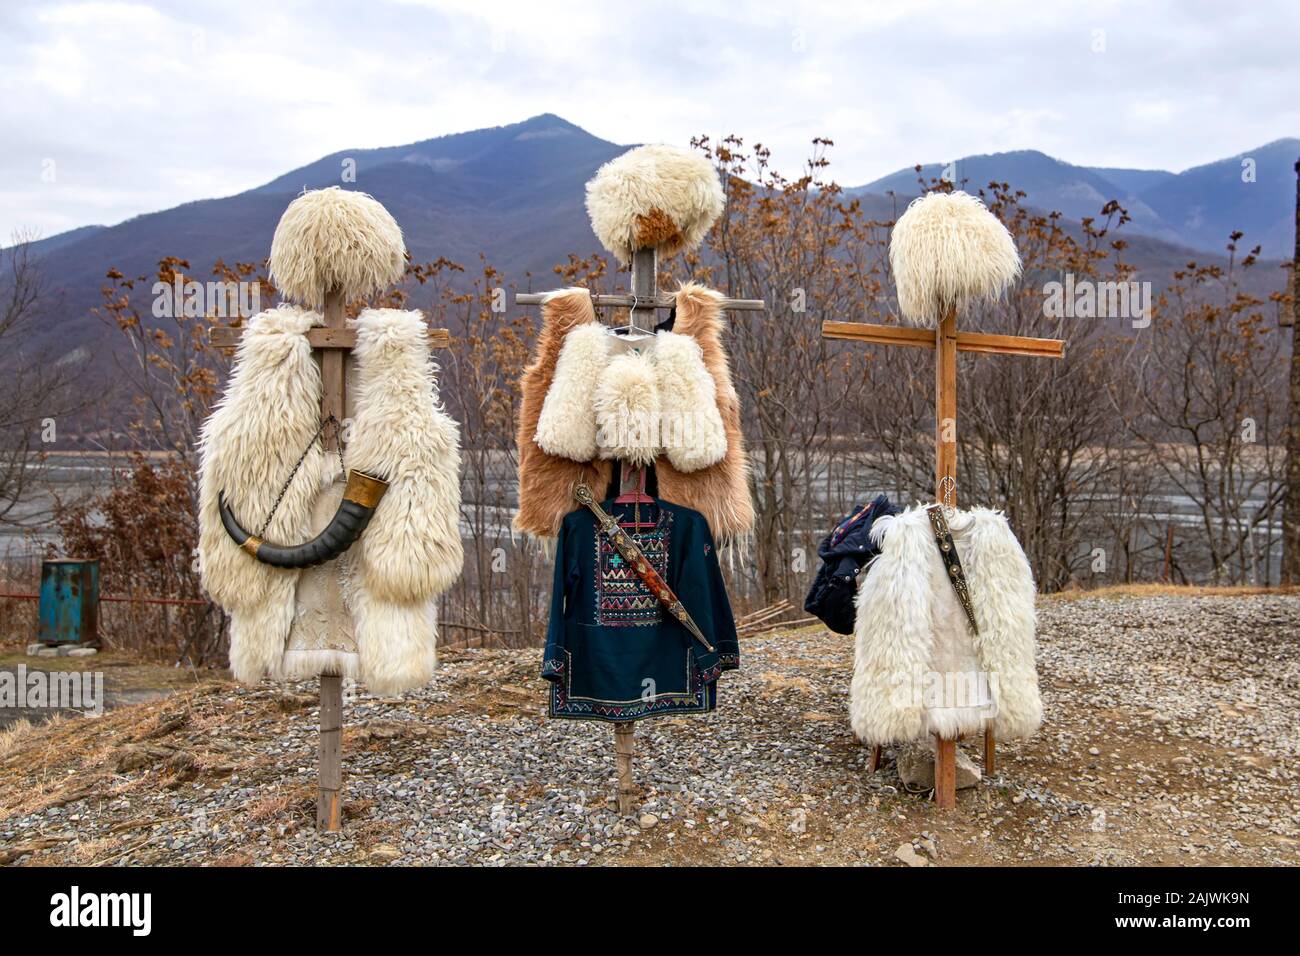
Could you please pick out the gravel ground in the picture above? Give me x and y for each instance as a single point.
(1171, 738)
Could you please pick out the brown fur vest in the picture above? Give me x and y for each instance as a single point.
(720, 491)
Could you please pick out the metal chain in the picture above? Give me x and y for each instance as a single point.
(338, 442)
(947, 491)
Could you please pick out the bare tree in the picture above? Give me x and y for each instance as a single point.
(1214, 410)
(812, 254)
(1038, 437)
(35, 396)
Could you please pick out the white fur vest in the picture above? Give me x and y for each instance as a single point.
(610, 400)
(918, 669)
(588, 398)
(369, 613)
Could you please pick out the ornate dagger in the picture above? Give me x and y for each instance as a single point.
(633, 555)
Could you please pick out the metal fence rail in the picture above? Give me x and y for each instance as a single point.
(120, 598)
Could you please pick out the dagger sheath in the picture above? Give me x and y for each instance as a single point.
(632, 554)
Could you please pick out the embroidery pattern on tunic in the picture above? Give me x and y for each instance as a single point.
(622, 598)
(701, 697)
(599, 652)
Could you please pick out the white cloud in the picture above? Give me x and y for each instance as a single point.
(143, 106)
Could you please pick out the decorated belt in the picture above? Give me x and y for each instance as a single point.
(634, 556)
(951, 562)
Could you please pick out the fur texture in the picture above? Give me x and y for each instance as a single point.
(691, 433)
(654, 196)
(412, 548)
(567, 425)
(894, 637)
(398, 642)
(627, 409)
(947, 250)
(546, 481)
(411, 552)
(720, 490)
(335, 238)
(607, 404)
(306, 664)
(249, 445)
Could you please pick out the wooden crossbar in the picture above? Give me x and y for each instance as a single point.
(947, 341)
(924, 338)
(322, 337)
(666, 301)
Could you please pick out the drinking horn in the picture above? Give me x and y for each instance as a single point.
(361, 497)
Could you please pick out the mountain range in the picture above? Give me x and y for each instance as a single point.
(515, 195)
(1253, 192)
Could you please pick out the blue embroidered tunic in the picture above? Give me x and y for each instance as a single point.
(612, 651)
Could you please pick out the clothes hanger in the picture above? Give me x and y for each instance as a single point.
(631, 334)
(636, 496)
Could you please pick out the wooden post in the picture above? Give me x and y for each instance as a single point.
(333, 367)
(624, 748)
(945, 405)
(329, 794)
(333, 343)
(947, 342)
(945, 490)
(645, 289)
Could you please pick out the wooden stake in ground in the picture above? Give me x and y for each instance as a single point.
(947, 342)
(334, 364)
(332, 344)
(645, 288)
(651, 199)
(642, 304)
(624, 748)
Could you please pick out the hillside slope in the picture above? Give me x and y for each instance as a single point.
(1170, 739)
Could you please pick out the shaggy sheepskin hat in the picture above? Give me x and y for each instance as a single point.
(335, 239)
(654, 196)
(947, 251)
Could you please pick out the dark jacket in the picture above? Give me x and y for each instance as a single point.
(844, 553)
(612, 651)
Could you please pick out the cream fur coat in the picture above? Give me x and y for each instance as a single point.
(409, 554)
(917, 667)
(585, 402)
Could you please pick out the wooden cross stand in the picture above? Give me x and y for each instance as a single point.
(642, 303)
(947, 342)
(332, 344)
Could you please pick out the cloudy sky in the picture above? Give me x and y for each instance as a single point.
(108, 110)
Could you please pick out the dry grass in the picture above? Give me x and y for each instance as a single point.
(13, 735)
(69, 758)
(774, 682)
(271, 806)
(1165, 590)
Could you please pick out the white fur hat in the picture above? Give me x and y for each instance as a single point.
(660, 196)
(335, 239)
(947, 251)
